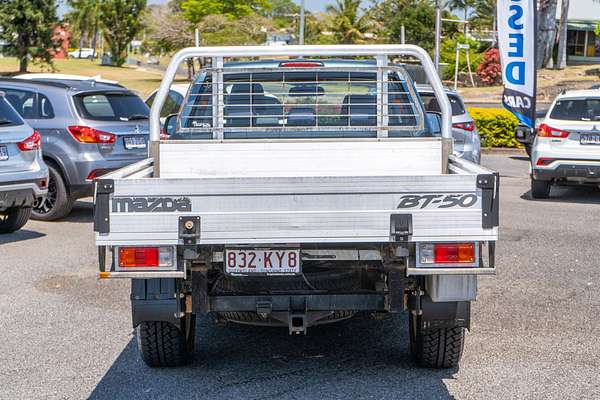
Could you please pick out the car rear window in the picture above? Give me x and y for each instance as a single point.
(300, 104)
(8, 115)
(432, 105)
(576, 110)
(111, 106)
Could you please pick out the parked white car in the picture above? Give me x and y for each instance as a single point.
(84, 52)
(566, 149)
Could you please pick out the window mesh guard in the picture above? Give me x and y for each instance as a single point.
(299, 102)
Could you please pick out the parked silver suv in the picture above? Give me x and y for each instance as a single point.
(467, 143)
(88, 128)
(23, 174)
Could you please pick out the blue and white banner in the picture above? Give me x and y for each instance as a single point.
(516, 38)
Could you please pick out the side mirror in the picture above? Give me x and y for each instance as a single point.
(524, 134)
(170, 126)
(435, 122)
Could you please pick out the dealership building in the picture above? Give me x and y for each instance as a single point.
(583, 44)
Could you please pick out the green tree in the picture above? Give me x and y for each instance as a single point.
(484, 14)
(417, 17)
(195, 10)
(465, 6)
(84, 17)
(218, 30)
(121, 20)
(347, 23)
(28, 29)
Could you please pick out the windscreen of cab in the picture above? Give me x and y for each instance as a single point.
(301, 104)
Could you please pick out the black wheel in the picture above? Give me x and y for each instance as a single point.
(540, 189)
(528, 150)
(14, 219)
(435, 348)
(163, 344)
(57, 203)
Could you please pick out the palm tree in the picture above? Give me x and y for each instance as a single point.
(84, 17)
(464, 5)
(345, 22)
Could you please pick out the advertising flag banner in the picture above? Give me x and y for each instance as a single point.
(516, 38)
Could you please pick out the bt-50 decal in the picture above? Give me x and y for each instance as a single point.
(422, 201)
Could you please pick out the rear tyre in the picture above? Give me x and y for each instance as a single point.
(163, 344)
(528, 150)
(540, 189)
(437, 347)
(14, 219)
(57, 203)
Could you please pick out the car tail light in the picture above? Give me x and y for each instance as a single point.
(132, 257)
(467, 126)
(33, 142)
(448, 253)
(86, 134)
(547, 131)
(543, 161)
(301, 64)
(96, 173)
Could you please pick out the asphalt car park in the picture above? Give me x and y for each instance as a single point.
(535, 333)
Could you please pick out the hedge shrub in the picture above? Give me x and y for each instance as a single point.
(497, 124)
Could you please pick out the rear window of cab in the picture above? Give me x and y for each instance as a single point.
(301, 104)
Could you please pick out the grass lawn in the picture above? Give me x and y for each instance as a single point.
(141, 80)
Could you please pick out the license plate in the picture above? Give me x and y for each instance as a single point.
(589, 139)
(3, 153)
(262, 261)
(135, 142)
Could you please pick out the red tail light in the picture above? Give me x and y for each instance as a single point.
(448, 253)
(145, 257)
(547, 131)
(86, 134)
(543, 161)
(467, 126)
(33, 142)
(459, 253)
(301, 64)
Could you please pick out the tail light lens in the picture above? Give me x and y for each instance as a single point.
(544, 161)
(547, 131)
(132, 257)
(467, 126)
(464, 254)
(86, 134)
(33, 142)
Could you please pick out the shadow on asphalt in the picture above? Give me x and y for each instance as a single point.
(519, 158)
(19, 236)
(83, 212)
(564, 194)
(357, 358)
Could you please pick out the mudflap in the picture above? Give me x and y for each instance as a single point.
(446, 314)
(156, 300)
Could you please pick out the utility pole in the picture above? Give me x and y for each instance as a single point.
(438, 33)
(301, 38)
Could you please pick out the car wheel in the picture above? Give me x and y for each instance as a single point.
(57, 203)
(528, 150)
(163, 344)
(436, 347)
(14, 219)
(540, 189)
